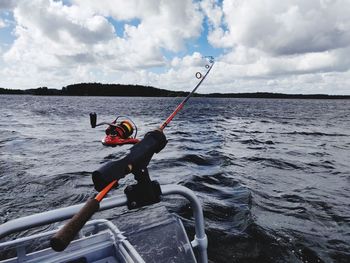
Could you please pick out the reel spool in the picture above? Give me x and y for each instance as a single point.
(123, 130)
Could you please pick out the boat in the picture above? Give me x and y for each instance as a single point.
(149, 239)
(160, 238)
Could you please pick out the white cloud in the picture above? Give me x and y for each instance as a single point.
(2, 23)
(47, 32)
(267, 45)
(53, 35)
(275, 40)
(213, 12)
(57, 44)
(162, 24)
(285, 27)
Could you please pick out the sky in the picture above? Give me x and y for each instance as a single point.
(289, 46)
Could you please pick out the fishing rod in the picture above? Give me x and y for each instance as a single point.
(182, 104)
(136, 162)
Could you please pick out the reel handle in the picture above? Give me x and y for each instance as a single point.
(93, 119)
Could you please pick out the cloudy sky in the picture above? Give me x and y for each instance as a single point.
(289, 46)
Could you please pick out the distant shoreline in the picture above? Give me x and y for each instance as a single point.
(119, 90)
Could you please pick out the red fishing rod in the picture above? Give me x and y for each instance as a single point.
(181, 105)
(107, 176)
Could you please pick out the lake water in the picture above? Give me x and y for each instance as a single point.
(273, 175)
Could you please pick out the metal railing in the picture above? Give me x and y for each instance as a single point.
(200, 241)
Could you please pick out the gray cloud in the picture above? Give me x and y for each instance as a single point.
(288, 27)
(276, 38)
(84, 58)
(7, 4)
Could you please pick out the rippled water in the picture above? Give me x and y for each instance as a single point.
(273, 175)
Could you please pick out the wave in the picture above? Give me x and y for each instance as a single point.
(196, 159)
(272, 162)
(272, 176)
(256, 142)
(316, 134)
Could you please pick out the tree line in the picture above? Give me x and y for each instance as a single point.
(99, 89)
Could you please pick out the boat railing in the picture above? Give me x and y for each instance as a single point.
(199, 241)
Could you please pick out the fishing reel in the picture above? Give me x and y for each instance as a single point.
(123, 129)
(119, 132)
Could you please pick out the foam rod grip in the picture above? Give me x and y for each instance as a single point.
(66, 234)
